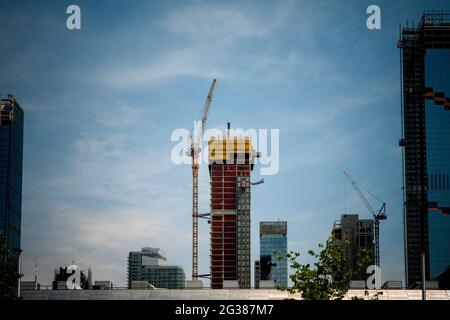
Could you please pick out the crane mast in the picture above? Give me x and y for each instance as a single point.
(194, 150)
(377, 216)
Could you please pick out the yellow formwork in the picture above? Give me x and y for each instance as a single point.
(221, 148)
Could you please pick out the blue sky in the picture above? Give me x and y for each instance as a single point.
(101, 103)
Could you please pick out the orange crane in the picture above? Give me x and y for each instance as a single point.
(195, 141)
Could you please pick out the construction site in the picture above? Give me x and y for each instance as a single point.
(230, 163)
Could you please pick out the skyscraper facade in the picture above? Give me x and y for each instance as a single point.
(425, 59)
(230, 166)
(11, 147)
(273, 236)
(150, 264)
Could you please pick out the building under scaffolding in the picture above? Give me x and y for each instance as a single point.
(230, 166)
(425, 71)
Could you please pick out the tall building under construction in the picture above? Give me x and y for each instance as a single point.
(425, 70)
(231, 161)
(356, 238)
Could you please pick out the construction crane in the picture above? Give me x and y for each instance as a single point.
(377, 216)
(194, 150)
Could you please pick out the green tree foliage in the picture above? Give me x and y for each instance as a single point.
(8, 273)
(328, 278)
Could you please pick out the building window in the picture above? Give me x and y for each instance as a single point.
(439, 177)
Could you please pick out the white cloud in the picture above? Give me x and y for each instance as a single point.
(213, 23)
(318, 119)
(120, 115)
(177, 62)
(233, 43)
(202, 62)
(91, 148)
(102, 237)
(116, 194)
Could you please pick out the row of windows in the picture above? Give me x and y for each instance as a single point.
(273, 244)
(13, 240)
(278, 273)
(14, 219)
(438, 181)
(162, 276)
(244, 269)
(270, 246)
(241, 251)
(441, 257)
(15, 201)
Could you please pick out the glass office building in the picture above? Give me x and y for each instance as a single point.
(437, 123)
(273, 236)
(150, 264)
(439, 239)
(11, 146)
(425, 63)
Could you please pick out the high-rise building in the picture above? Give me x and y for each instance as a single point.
(356, 237)
(230, 166)
(150, 264)
(425, 70)
(272, 245)
(11, 147)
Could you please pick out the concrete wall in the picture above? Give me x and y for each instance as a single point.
(209, 294)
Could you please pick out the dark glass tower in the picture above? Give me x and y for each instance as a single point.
(11, 146)
(425, 59)
(273, 236)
